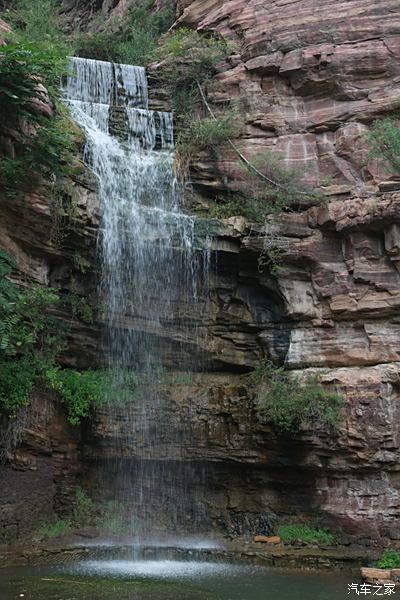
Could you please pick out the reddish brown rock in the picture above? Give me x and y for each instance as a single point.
(307, 70)
(267, 539)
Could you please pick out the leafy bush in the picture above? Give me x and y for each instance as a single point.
(36, 57)
(78, 390)
(390, 559)
(27, 325)
(48, 148)
(290, 405)
(286, 192)
(53, 530)
(238, 206)
(190, 56)
(297, 531)
(80, 262)
(85, 510)
(80, 308)
(384, 140)
(133, 40)
(42, 45)
(203, 134)
(8, 290)
(17, 378)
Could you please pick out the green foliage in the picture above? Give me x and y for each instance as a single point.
(39, 49)
(203, 134)
(190, 56)
(80, 262)
(298, 531)
(27, 324)
(78, 390)
(188, 59)
(85, 511)
(53, 530)
(132, 40)
(17, 378)
(80, 308)
(270, 258)
(8, 290)
(270, 198)
(289, 404)
(34, 61)
(384, 140)
(29, 337)
(390, 559)
(29, 341)
(256, 198)
(237, 205)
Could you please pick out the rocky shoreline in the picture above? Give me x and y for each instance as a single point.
(239, 551)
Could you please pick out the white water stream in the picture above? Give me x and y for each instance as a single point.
(149, 267)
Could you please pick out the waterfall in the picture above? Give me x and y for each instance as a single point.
(149, 279)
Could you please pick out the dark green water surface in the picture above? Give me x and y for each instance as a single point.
(168, 580)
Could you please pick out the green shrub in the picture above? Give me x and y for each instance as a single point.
(390, 559)
(27, 325)
(17, 378)
(289, 404)
(43, 46)
(203, 134)
(80, 262)
(29, 337)
(36, 55)
(53, 530)
(78, 390)
(384, 140)
(286, 192)
(85, 511)
(297, 531)
(80, 308)
(132, 40)
(8, 290)
(190, 56)
(238, 206)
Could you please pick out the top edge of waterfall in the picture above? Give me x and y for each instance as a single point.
(105, 62)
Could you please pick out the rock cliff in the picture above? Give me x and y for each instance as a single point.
(313, 80)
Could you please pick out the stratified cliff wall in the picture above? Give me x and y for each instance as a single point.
(314, 76)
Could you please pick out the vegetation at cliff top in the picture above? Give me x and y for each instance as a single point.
(291, 405)
(384, 140)
(292, 532)
(30, 64)
(390, 559)
(130, 40)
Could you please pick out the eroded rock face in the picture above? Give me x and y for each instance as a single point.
(313, 79)
(39, 468)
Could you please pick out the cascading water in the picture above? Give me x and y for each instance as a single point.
(150, 273)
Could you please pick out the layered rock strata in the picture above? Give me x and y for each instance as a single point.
(313, 79)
